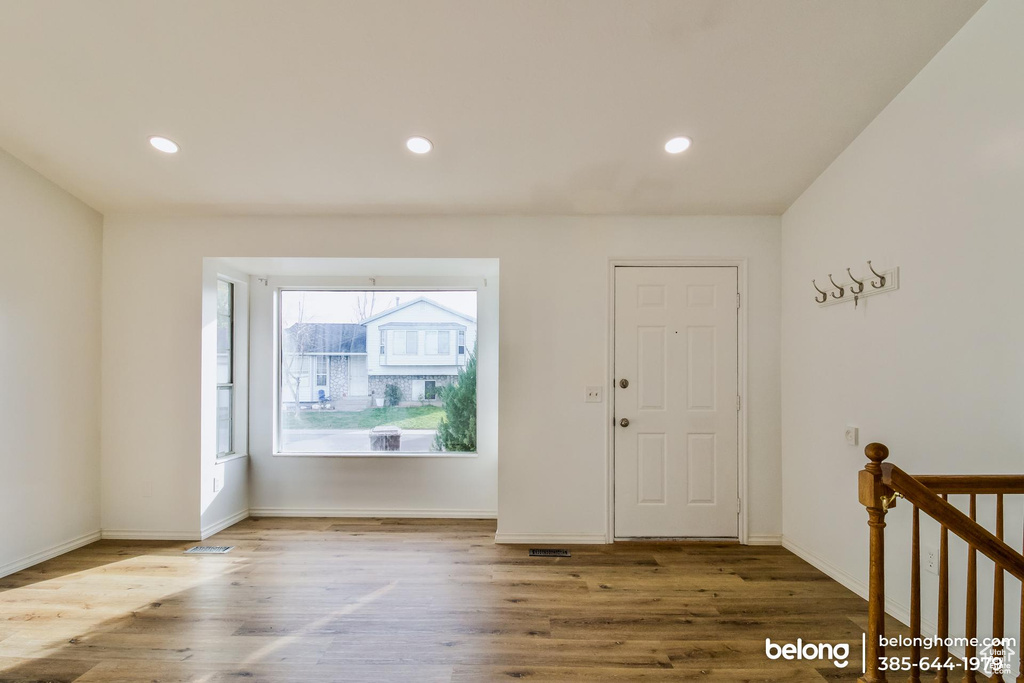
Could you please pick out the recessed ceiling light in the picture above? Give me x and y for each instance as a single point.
(677, 145)
(419, 145)
(164, 144)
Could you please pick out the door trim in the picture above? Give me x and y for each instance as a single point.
(741, 344)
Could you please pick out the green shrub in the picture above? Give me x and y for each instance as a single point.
(392, 395)
(457, 429)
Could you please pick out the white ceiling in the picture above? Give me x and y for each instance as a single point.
(534, 106)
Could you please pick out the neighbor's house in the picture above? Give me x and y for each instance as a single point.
(418, 346)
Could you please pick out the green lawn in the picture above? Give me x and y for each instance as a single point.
(413, 417)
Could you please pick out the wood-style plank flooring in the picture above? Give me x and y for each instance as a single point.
(417, 600)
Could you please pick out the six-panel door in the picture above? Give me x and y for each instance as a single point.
(676, 462)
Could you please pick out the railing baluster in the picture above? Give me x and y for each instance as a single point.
(915, 597)
(998, 621)
(971, 627)
(942, 674)
(874, 496)
(1020, 641)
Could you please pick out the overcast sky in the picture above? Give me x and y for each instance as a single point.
(343, 307)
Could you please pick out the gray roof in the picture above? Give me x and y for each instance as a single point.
(325, 338)
(415, 301)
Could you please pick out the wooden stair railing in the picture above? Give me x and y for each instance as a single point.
(880, 483)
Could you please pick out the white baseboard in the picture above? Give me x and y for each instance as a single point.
(149, 535)
(895, 609)
(551, 538)
(764, 539)
(49, 553)
(223, 524)
(355, 512)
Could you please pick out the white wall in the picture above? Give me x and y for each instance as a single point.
(49, 362)
(935, 185)
(554, 292)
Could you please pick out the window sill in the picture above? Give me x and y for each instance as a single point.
(229, 458)
(376, 454)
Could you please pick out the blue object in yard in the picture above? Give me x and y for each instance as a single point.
(322, 395)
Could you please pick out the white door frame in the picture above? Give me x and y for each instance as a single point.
(741, 284)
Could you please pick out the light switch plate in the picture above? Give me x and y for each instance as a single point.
(852, 435)
(593, 395)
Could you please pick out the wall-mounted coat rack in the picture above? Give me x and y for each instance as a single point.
(856, 288)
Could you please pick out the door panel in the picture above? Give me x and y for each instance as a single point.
(651, 462)
(676, 464)
(650, 373)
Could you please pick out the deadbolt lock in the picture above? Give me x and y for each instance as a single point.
(623, 383)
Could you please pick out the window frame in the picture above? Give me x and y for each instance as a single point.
(216, 270)
(326, 373)
(282, 284)
(229, 386)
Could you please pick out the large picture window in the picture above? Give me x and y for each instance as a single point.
(374, 371)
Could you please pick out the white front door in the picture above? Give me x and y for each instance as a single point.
(676, 463)
(358, 383)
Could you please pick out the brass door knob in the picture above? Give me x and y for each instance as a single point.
(624, 422)
(623, 383)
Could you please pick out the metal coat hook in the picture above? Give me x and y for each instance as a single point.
(859, 282)
(824, 295)
(881, 278)
(841, 290)
(881, 283)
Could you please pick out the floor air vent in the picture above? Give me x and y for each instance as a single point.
(549, 552)
(209, 549)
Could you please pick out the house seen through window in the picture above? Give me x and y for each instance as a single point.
(377, 371)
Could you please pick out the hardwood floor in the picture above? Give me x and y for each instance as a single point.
(417, 600)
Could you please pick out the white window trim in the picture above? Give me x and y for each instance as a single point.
(282, 284)
(230, 384)
(240, 367)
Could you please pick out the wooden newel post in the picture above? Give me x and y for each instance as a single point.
(877, 498)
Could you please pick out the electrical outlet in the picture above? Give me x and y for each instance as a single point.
(593, 395)
(931, 561)
(852, 435)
